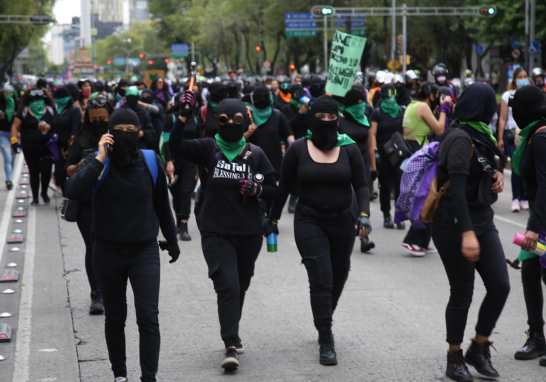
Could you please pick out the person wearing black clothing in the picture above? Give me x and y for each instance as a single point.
(34, 120)
(155, 111)
(325, 164)
(529, 111)
(128, 208)
(86, 141)
(355, 124)
(147, 131)
(464, 233)
(180, 167)
(120, 91)
(230, 218)
(403, 95)
(247, 96)
(67, 120)
(162, 92)
(207, 115)
(316, 86)
(283, 96)
(386, 120)
(8, 107)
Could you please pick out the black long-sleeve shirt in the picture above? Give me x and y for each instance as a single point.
(127, 208)
(298, 122)
(223, 209)
(192, 130)
(75, 154)
(67, 125)
(323, 186)
(533, 171)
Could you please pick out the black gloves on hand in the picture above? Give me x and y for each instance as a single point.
(174, 251)
(270, 227)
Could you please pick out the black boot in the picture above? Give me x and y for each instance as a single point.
(456, 368)
(542, 360)
(366, 244)
(184, 235)
(387, 222)
(292, 203)
(534, 347)
(327, 348)
(96, 303)
(479, 356)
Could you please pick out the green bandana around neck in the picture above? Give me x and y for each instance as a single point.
(37, 108)
(342, 139)
(131, 90)
(230, 149)
(295, 102)
(389, 106)
(260, 116)
(214, 105)
(61, 103)
(118, 97)
(482, 128)
(340, 106)
(10, 106)
(518, 155)
(272, 98)
(249, 105)
(357, 112)
(93, 96)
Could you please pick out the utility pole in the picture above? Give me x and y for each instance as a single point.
(532, 36)
(94, 56)
(526, 43)
(404, 34)
(393, 36)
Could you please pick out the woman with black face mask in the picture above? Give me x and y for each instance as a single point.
(146, 134)
(317, 86)
(207, 115)
(230, 218)
(85, 142)
(120, 91)
(325, 164)
(130, 205)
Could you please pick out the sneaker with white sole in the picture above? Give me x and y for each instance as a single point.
(429, 250)
(515, 205)
(231, 359)
(121, 379)
(524, 204)
(413, 250)
(239, 347)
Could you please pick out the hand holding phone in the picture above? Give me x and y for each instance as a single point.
(106, 139)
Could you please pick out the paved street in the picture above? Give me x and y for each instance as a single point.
(389, 325)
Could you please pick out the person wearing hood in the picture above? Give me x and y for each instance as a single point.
(119, 93)
(86, 141)
(129, 207)
(403, 95)
(207, 115)
(230, 219)
(147, 132)
(66, 125)
(325, 164)
(247, 96)
(155, 111)
(356, 125)
(232, 90)
(316, 86)
(464, 232)
(283, 96)
(8, 107)
(529, 160)
(163, 92)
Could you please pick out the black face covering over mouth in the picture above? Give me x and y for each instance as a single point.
(232, 132)
(324, 133)
(132, 101)
(125, 150)
(100, 127)
(261, 97)
(528, 105)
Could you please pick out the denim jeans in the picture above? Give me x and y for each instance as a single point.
(9, 156)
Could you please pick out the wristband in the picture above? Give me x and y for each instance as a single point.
(14, 140)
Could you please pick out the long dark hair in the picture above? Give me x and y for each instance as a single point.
(426, 89)
(3, 100)
(81, 98)
(88, 137)
(25, 101)
(165, 89)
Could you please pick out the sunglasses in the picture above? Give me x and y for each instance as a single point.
(285, 86)
(37, 93)
(390, 93)
(238, 118)
(97, 102)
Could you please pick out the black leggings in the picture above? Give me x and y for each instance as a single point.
(84, 225)
(230, 259)
(183, 188)
(60, 174)
(114, 265)
(325, 242)
(40, 166)
(388, 177)
(461, 272)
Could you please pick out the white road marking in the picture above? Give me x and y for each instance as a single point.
(510, 221)
(6, 216)
(24, 325)
(48, 350)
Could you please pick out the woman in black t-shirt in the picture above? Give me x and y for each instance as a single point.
(230, 220)
(386, 120)
(33, 121)
(8, 107)
(463, 229)
(325, 164)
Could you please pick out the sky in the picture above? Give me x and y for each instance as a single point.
(63, 11)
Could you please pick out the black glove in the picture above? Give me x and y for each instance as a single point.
(377, 159)
(174, 251)
(374, 175)
(269, 227)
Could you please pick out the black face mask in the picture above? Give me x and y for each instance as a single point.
(121, 92)
(100, 127)
(316, 90)
(125, 147)
(324, 134)
(434, 103)
(149, 100)
(218, 95)
(132, 101)
(231, 132)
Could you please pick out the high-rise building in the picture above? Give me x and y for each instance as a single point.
(64, 41)
(85, 23)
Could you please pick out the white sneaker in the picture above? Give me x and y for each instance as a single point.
(524, 205)
(121, 379)
(515, 205)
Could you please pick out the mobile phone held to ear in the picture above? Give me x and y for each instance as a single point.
(107, 145)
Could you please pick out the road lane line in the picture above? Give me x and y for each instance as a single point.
(24, 325)
(506, 220)
(10, 199)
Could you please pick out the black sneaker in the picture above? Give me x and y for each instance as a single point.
(231, 359)
(184, 235)
(479, 356)
(366, 244)
(456, 368)
(534, 347)
(96, 303)
(240, 348)
(401, 225)
(46, 199)
(327, 349)
(542, 361)
(388, 223)
(9, 184)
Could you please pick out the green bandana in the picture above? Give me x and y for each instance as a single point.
(10, 106)
(295, 102)
(93, 96)
(61, 103)
(342, 139)
(131, 90)
(272, 98)
(261, 116)
(230, 149)
(249, 106)
(357, 112)
(389, 106)
(37, 108)
(118, 97)
(524, 134)
(214, 105)
(482, 128)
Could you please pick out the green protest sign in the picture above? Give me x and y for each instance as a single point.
(344, 60)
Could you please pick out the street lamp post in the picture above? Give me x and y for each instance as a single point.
(128, 51)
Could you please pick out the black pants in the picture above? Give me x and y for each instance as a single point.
(114, 265)
(60, 174)
(388, 177)
(230, 259)
(325, 242)
(40, 166)
(84, 225)
(461, 272)
(183, 188)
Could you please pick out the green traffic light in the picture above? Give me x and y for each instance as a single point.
(326, 11)
(491, 11)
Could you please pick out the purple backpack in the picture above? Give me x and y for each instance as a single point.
(420, 171)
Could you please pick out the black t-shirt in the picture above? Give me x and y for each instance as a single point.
(386, 126)
(533, 171)
(31, 136)
(299, 123)
(279, 102)
(66, 124)
(357, 132)
(268, 137)
(192, 130)
(75, 154)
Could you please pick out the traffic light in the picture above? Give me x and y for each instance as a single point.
(257, 48)
(232, 74)
(96, 66)
(109, 62)
(321, 10)
(488, 10)
(150, 62)
(167, 60)
(141, 55)
(292, 66)
(399, 45)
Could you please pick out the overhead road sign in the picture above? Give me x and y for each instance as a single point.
(301, 25)
(301, 33)
(180, 50)
(22, 19)
(119, 61)
(354, 24)
(299, 16)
